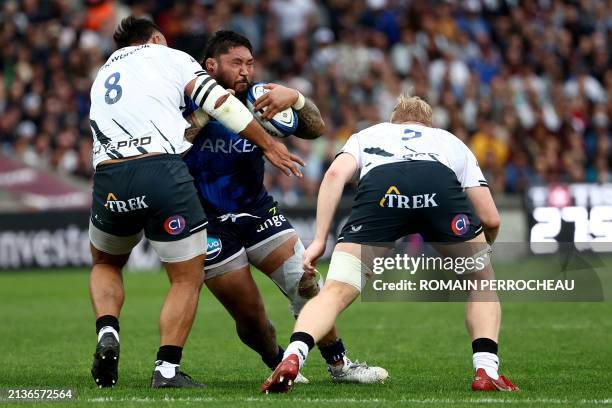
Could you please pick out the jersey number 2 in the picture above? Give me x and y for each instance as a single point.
(112, 84)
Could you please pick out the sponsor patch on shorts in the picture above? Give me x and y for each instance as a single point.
(213, 248)
(460, 224)
(175, 224)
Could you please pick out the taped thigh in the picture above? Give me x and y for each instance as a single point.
(232, 263)
(347, 268)
(112, 244)
(181, 250)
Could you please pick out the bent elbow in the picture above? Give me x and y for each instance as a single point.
(491, 221)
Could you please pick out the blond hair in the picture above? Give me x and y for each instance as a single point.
(411, 109)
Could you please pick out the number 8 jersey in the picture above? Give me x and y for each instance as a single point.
(136, 102)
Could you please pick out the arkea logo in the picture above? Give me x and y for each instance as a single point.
(238, 145)
(394, 199)
(460, 224)
(115, 205)
(174, 225)
(213, 248)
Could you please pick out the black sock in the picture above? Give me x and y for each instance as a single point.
(274, 361)
(170, 354)
(303, 337)
(107, 320)
(484, 345)
(334, 352)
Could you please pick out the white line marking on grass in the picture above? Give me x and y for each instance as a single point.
(267, 399)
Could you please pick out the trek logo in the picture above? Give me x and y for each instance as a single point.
(213, 248)
(460, 224)
(277, 221)
(394, 199)
(238, 145)
(174, 225)
(143, 141)
(115, 205)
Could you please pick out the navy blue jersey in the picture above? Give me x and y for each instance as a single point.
(228, 171)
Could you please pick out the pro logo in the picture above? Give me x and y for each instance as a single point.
(460, 224)
(175, 224)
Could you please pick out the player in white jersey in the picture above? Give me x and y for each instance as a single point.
(413, 178)
(142, 184)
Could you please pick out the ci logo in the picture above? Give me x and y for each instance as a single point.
(174, 225)
(460, 224)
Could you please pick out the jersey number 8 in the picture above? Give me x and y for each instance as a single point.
(112, 86)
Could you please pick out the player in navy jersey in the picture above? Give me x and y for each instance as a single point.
(245, 225)
(142, 187)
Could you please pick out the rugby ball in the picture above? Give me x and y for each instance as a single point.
(283, 124)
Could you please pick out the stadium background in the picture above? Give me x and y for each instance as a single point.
(526, 84)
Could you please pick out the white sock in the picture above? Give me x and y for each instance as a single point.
(108, 329)
(488, 361)
(298, 348)
(167, 370)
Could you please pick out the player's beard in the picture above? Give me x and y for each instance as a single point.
(242, 95)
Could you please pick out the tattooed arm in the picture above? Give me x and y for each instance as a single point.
(310, 122)
(197, 120)
(191, 133)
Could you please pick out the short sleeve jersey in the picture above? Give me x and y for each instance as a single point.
(136, 102)
(390, 143)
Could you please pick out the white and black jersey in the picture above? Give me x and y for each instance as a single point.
(136, 102)
(390, 143)
(412, 180)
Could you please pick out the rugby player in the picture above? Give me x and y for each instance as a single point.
(141, 183)
(246, 227)
(436, 177)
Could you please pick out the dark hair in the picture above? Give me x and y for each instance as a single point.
(223, 41)
(134, 31)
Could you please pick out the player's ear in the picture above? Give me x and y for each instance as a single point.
(210, 65)
(158, 38)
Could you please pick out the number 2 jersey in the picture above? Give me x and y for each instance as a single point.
(387, 143)
(412, 180)
(136, 102)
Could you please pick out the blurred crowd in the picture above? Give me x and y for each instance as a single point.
(526, 84)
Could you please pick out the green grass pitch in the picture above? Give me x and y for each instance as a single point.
(560, 354)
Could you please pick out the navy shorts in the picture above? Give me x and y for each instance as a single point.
(230, 235)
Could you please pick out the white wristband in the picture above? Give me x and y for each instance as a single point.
(301, 101)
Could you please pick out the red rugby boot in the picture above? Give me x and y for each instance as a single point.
(482, 382)
(282, 379)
